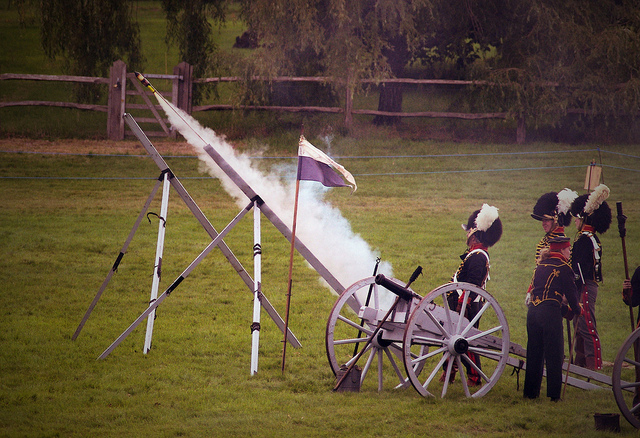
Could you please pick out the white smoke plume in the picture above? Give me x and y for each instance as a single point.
(320, 226)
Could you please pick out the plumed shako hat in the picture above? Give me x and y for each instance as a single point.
(556, 206)
(485, 225)
(593, 208)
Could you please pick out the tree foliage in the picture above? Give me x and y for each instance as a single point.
(557, 57)
(346, 39)
(89, 36)
(549, 57)
(189, 27)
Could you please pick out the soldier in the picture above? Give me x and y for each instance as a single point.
(592, 215)
(553, 211)
(553, 280)
(631, 291)
(484, 229)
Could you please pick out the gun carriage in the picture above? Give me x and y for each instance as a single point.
(418, 339)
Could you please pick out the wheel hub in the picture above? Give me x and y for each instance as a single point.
(380, 342)
(458, 345)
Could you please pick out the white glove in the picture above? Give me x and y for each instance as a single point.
(527, 300)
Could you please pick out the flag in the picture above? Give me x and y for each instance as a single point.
(315, 165)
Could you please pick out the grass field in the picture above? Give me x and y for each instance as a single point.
(66, 212)
(67, 206)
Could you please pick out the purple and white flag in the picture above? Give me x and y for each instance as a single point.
(315, 165)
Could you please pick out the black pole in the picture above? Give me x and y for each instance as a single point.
(367, 301)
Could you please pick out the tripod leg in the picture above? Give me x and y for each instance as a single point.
(118, 259)
(215, 242)
(257, 277)
(157, 270)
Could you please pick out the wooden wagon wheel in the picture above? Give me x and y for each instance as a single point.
(438, 341)
(624, 370)
(347, 332)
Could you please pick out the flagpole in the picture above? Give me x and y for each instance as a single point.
(293, 241)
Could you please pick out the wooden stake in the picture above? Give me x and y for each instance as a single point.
(289, 284)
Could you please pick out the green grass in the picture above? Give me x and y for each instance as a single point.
(59, 238)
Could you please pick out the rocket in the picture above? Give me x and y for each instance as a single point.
(145, 82)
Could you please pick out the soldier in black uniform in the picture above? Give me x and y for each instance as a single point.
(484, 229)
(592, 215)
(553, 211)
(553, 280)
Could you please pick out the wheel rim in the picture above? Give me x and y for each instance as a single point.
(446, 339)
(346, 335)
(624, 379)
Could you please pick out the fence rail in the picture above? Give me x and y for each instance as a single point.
(181, 96)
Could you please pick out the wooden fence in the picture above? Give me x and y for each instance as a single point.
(181, 96)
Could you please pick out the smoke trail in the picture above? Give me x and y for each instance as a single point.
(321, 227)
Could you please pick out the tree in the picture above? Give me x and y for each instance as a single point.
(558, 57)
(350, 40)
(89, 36)
(551, 58)
(188, 25)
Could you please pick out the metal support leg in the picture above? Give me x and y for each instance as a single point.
(114, 268)
(257, 294)
(214, 243)
(157, 270)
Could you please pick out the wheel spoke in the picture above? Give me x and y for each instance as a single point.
(447, 312)
(463, 378)
(355, 325)
(463, 310)
(380, 370)
(492, 354)
(435, 370)
(484, 333)
(350, 341)
(475, 319)
(443, 331)
(631, 362)
(468, 360)
(428, 341)
(428, 355)
(447, 378)
(630, 385)
(394, 364)
(367, 364)
(350, 361)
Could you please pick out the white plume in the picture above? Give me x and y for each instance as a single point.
(487, 216)
(565, 198)
(321, 227)
(596, 198)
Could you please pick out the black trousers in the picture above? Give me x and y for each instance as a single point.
(545, 346)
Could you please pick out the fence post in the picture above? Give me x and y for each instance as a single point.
(521, 132)
(116, 100)
(184, 86)
(348, 102)
(182, 89)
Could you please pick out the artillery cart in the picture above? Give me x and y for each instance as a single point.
(429, 338)
(425, 343)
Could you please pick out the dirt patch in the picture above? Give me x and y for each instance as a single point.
(73, 146)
